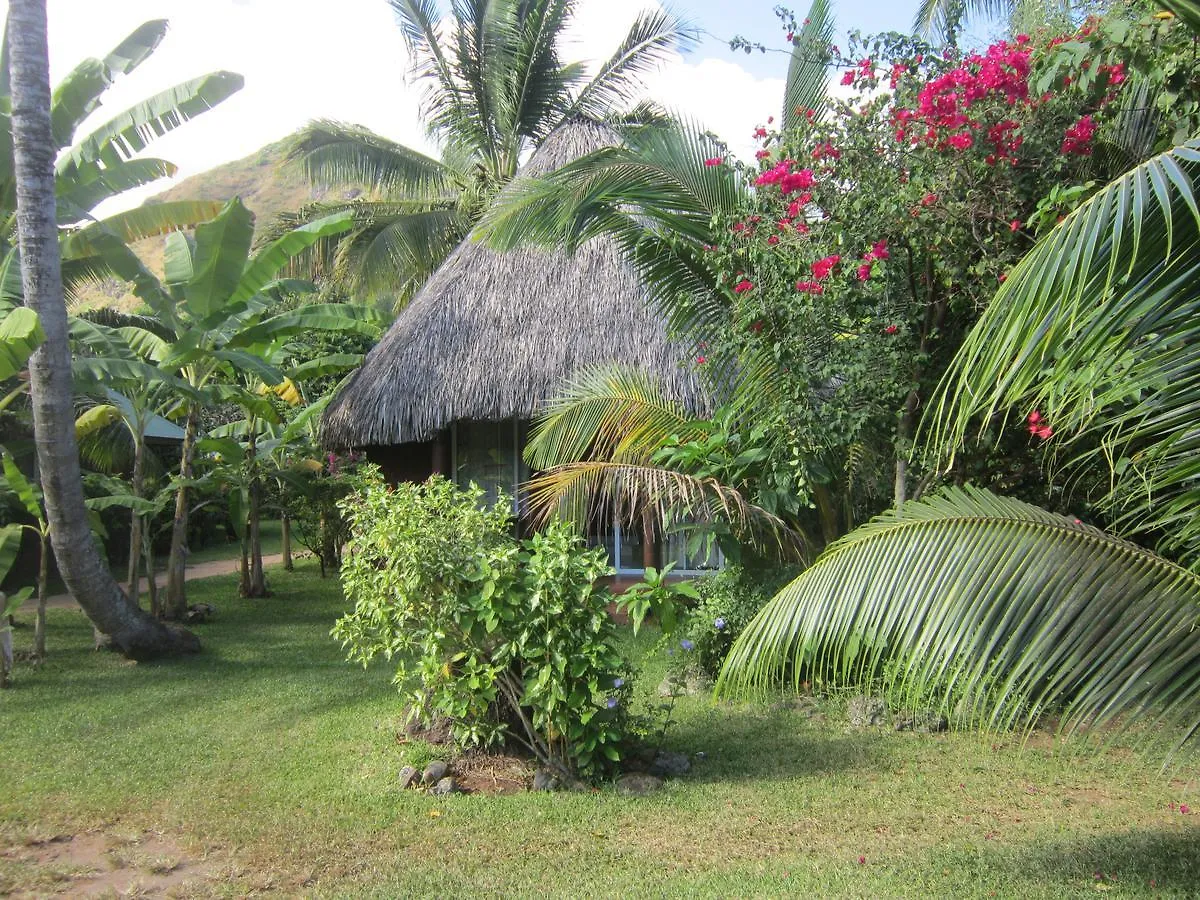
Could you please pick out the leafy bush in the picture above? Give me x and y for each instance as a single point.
(728, 601)
(504, 639)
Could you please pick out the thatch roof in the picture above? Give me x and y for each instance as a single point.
(493, 335)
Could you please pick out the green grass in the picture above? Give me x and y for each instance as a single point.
(219, 548)
(275, 761)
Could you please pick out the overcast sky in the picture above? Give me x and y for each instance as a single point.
(345, 59)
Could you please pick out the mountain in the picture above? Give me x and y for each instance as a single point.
(267, 183)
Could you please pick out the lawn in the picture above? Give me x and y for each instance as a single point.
(268, 764)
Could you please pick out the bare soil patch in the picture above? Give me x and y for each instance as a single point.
(102, 863)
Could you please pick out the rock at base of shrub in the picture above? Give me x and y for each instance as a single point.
(638, 784)
(444, 786)
(670, 764)
(409, 777)
(924, 721)
(867, 712)
(434, 772)
(544, 780)
(199, 613)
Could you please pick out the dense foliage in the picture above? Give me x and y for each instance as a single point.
(502, 638)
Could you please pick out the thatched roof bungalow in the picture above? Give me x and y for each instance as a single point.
(490, 337)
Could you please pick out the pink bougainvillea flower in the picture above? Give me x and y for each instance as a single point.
(742, 286)
(701, 360)
(1014, 225)
(879, 249)
(891, 329)
(762, 154)
(809, 287)
(760, 132)
(929, 199)
(773, 240)
(1035, 418)
(823, 267)
(1002, 277)
(714, 161)
(864, 271)
(848, 78)
(1185, 809)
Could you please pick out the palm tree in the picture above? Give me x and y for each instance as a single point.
(497, 85)
(945, 18)
(34, 147)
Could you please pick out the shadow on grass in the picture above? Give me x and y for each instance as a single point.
(747, 742)
(1162, 860)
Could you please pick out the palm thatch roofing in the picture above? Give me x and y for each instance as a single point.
(493, 335)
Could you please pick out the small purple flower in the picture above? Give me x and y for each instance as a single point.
(618, 682)
(719, 624)
(687, 645)
(613, 702)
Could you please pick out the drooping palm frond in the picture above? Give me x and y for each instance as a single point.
(338, 153)
(1097, 328)
(601, 491)
(1188, 12)
(609, 413)
(1049, 615)
(942, 18)
(808, 72)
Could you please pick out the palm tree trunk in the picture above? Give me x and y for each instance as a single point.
(176, 602)
(87, 577)
(39, 628)
(151, 581)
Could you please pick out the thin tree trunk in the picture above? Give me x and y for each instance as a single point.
(285, 538)
(175, 606)
(258, 582)
(6, 648)
(87, 577)
(151, 581)
(39, 628)
(135, 522)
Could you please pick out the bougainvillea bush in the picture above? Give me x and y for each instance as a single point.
(503, 639)
(881, 226)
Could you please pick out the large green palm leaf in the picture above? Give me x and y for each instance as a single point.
(1003, 607)
(807, 79)
(1097, 329)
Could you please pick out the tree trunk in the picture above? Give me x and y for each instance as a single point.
(131, 631)
(285, 539)
(151, 581)
(258, 582)
(39, 628)
(6, 648)
(135, 520)
(175, 606)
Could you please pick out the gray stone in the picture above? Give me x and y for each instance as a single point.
(924, 721)
(434, 772)
(409, 776)
(866, 712)
(444, 786)
(638, 784)
(544, 780)
(670, 764)
(579, 787)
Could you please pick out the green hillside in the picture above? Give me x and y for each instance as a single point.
(267, 184)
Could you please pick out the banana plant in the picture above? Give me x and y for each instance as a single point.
(29, 497)
(214, 304)
(10, 545)
(104, 162)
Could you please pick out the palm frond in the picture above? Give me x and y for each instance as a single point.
(148, 220)
(1188, 12)
(1097, 329)
(609, 413)
(1049, 615)
(341, 154)
(652, 38)
(808, 71)
(603, 491)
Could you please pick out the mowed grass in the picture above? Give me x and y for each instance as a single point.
(273, 761)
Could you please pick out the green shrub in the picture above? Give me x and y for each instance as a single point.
(729, 599)
(504, 639)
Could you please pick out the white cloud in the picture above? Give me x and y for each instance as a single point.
(305, 59)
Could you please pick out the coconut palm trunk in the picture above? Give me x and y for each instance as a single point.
(135, 523)
(130, 630)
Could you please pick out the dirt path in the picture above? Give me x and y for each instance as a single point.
(199, 570)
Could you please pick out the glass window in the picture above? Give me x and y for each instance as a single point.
(486, 453)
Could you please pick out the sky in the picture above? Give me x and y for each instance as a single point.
(308, 59)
